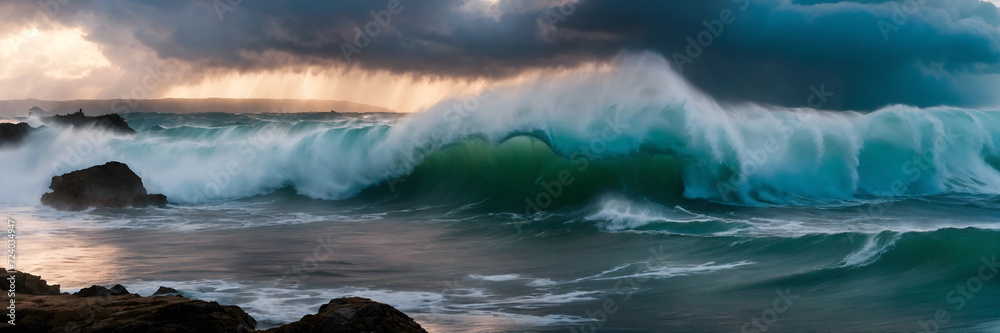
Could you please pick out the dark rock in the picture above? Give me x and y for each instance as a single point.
(118, 311)
(112, 122)
(166, 291)
(126, 314)
(353, 314)
(12, 134)
(93, 291)
(110, 185)
(185, 315)
(151, 200)
(28, 284)
(96, 290)
(118, 290)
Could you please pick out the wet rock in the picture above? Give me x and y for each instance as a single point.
(96, 290)
(353, 314)
(166, 291)
(112, 122)
(28, 284)
(110, 185)
(13, 134)
(99, 309)
(126, 314)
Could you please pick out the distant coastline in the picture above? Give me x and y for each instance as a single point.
(92, 107)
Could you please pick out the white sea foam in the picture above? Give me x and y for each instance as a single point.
(662, 271)
(274, 305)
(810, 157)
(871, 251)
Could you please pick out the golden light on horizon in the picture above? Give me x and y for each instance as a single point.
(396, 92)
(66, 66)
(400, 93)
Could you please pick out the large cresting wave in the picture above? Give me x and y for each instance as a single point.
(633, 127)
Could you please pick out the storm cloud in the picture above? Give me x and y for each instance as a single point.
(868, 53)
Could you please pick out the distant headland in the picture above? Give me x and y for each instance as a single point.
(21, 107)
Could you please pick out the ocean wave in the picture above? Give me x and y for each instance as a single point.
(634, 127)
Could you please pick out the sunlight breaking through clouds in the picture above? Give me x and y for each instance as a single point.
(57, 54)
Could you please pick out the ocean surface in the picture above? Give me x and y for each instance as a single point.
(611, 200)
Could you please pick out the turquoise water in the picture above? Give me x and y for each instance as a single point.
(621, 204)
(632, 244)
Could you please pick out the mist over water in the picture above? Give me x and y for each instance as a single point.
(637, 112)
(532, 206)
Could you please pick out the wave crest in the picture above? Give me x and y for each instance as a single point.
(633, 126)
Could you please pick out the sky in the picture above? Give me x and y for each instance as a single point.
(407, 54)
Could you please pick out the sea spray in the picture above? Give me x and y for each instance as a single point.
(675, 142)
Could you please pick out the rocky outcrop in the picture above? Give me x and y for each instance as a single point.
(110, 185)
(112, 122)
(125, 313)
(99, 309)
(30, 284)
(12, 134)
(96, 290)
(353, 314)
(166, 291)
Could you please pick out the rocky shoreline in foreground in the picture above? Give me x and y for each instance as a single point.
(40, 307)
(35, 306)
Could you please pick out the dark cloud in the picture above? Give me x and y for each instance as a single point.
(775, 51)
(937, 52)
